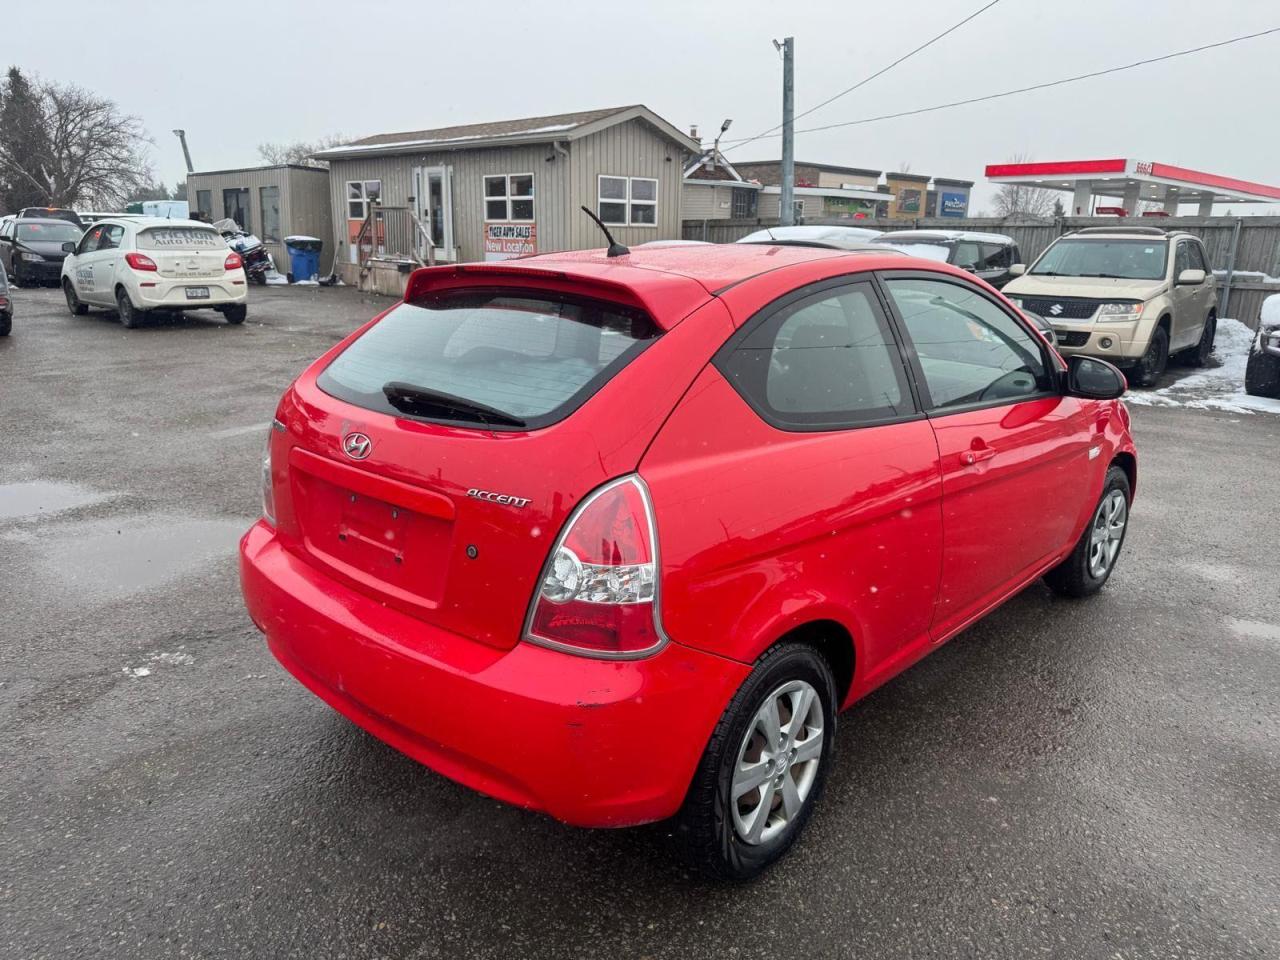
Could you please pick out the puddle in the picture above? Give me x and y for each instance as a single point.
(37, 498)
(1255, 629)
(105, 559)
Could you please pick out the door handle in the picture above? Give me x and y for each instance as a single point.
(976, 455)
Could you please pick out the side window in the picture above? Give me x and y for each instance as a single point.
(89, 242)
(970, 350)
(966, 255)
(1182, 259)
(111, 235)
(825, 361)
(1196, 256)
(996, 256)
(6, 228)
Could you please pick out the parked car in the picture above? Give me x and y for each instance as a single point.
(616, 539)
(1262, 369)
(50, 213)
(142, 264)
(985, 255)
(1132, 295)
(31, 250)
(834, 236)
(6, 304)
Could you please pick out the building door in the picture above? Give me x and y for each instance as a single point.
(433, 206)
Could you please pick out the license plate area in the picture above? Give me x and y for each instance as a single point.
(197, 293)
(372, 526)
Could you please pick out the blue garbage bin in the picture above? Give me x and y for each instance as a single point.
(304, 258)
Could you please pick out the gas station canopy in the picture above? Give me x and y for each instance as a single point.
(1133, 181)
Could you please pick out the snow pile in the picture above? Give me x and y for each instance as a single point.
(1220, 387)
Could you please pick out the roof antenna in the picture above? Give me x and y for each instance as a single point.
(615, 248)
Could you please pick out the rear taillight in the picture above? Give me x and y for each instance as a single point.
(268, 488)
(139, 261)
(233, 262)
(598, 590)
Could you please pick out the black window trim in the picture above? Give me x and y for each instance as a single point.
(1051, 361)
(770, 309)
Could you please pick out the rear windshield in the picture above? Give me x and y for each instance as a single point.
(1121, 259)
(49, 231)
(179, 238)
(502, 359)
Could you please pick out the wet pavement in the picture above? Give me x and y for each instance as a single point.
(1075, 780)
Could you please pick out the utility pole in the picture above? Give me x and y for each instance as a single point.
(182, 135)
(787, 210)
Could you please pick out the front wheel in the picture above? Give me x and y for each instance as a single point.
(1153, 363)
(763, 769)
(1262, 375)
(1090, 564)
(74, 304)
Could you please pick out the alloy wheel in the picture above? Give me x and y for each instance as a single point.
(777, 762)
(1107, 533)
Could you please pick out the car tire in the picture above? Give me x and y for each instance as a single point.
(74, 303)
(235, 314)
(714, 829)
(1199, 355)
(1262, 374)
(130, 316)
(15, 275)
(6, 324)
(1090, 564)
(1148, 370)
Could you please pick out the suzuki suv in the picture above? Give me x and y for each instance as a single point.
(1131, 295)
(616, 537)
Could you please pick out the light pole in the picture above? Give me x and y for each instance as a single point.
(787, 206)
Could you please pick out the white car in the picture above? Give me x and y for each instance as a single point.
(138, 264)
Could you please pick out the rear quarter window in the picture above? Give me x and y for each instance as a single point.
(530, 357)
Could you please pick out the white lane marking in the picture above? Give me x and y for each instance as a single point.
(239, 431)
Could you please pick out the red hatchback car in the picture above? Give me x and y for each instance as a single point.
(615, 538)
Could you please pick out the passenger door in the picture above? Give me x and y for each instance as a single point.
(1014, 452)
(6, 245)
(1186, 302)
(798, 481)
(85, 273)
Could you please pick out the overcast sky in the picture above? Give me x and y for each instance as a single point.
(237, 74)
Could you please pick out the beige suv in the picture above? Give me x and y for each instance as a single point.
(1131, 295)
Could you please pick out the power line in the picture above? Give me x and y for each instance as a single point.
(1036, 86)
(880, 72)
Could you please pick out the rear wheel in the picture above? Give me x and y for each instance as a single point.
(6, 324)
(1198, 356)
(1090, 564)
(73, 302)
(236, 313)
(130, 316)
(1148, 370)
(763, 769)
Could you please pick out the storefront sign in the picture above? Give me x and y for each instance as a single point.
(953, 204)
(909, 201)
(502, 241)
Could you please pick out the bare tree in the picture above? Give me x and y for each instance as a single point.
(300, 151)
(88, 151)
(1014, 199)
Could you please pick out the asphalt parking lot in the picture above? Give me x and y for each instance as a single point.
(1076, 780)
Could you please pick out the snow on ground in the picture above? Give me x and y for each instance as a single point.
(1214, 388)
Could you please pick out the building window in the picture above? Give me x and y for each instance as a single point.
(509, 197)
(360, 193)
(235, 204)
(204, 202)
(628, 201)
(270, 200)
(744, 203)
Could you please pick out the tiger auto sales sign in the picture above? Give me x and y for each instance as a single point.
(502, 241)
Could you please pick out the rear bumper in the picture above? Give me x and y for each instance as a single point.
(590, 742)
(172, 294)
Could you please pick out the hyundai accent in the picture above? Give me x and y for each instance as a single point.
(616, 536)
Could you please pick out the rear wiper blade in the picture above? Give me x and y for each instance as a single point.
(409, 398)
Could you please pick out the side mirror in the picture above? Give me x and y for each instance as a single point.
(1190, 277)
(1094, 379)
(1017, 270)
(69, 247)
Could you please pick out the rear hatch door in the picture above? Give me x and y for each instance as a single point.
(184, 252)
(430, 462)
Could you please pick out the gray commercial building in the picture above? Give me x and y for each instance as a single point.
(270, 202)
(489, 191)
